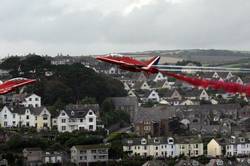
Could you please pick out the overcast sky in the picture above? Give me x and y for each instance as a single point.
(81, 27)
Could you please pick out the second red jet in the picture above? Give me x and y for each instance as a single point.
(13, 84)
(131, 64)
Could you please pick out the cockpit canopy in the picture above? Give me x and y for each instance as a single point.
(18, 79)
(115, 55)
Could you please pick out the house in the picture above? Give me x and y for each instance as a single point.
(128, 104)
(3, 162)
(154, 122)
(204, 119)
(142, 85)
(244, 112)
(161, 84)
(197, 94)
(131, 93)
(32, 156)
(62, 60)
(75, 119)
(158, 77)
(32, 100)
(156, 147)
(53, 157)
(237, 146)
(85, 154)
(153, 96)
(190, 146)
(214, 147)
(174, 94)
(235, 79)
(4, 73)
(164, 146)
(38, 117)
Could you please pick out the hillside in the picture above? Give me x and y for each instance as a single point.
(65, 83)
(212, 57)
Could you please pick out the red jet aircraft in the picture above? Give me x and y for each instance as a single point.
(13, 84)
(131, 64)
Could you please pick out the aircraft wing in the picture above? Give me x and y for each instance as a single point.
(5, 90)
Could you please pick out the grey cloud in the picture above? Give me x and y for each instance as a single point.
(160, 25)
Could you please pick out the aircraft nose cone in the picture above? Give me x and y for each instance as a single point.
(98, 58)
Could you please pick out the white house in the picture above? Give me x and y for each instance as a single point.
(239, 146)
(32, 100)
(157, 147)
(131, 93)
(38, 117)
(163, 147)
(153, 96)
(70, 120)
(158, 77)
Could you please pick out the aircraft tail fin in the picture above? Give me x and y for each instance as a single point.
(153, 61)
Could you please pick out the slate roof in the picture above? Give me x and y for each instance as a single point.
(165, 112)
(21, 110)
(138, 84)
(79, 113)
(121, 101)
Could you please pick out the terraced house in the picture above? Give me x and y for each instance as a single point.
(164, 146)
(38, 117)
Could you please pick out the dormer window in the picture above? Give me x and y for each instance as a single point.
(72, 113)
(242, 139)
(156, 140)
(170, 140)
(90, 113)
(143, 141)
(232, 140)
(63, 114)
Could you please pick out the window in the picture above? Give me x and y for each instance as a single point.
(5, 124)
(27, 124)
(14, 123)
(156, 148)
(80, 157)
(63, 128)
(5, 116)
(45, 117)
(91, 127)
(145, 147)
(36, 99)
(27, 117)
(36, 105)
(63, 120)
(45, 124)
(30, 99)
(35, 117)
(90, 113)
(90, 119)
(63, 114)
(81, 120)
(14, 116)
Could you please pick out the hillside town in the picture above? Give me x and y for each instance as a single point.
(157, 121)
